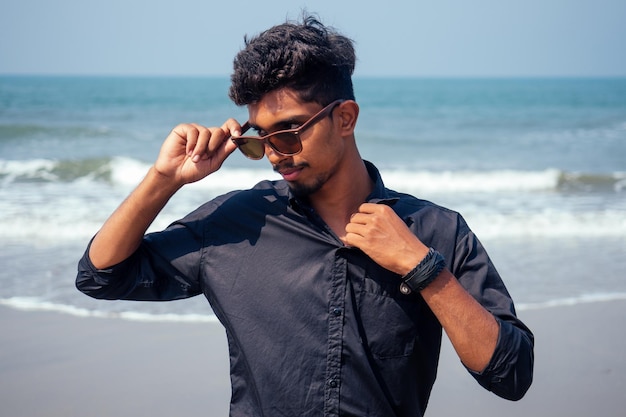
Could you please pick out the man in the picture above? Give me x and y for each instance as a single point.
(333, 289)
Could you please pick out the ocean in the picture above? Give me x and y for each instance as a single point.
(536, 166)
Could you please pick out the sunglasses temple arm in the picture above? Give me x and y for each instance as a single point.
(245, 127)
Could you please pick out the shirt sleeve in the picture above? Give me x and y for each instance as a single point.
(509, 373)
(164, 267)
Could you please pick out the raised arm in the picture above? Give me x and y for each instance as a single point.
(189, 153)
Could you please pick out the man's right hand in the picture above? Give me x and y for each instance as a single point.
(191, 151)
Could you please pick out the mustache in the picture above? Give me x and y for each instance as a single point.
(287, 165)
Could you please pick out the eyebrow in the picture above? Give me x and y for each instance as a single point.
(297, 119)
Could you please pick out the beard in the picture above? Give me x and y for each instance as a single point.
(302, 190)
(305, 189)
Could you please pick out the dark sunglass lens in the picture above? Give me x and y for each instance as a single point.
(286, 143)
(251, 148)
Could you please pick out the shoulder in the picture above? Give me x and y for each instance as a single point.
(266, 196)
(408, 204)
(428, 217)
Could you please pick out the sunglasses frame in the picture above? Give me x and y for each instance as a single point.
(243, 140)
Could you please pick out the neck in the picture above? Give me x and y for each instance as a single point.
(342, 195)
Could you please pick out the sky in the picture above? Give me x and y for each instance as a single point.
(397, 38)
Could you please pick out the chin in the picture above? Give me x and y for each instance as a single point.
(301, 190)
(309, 186)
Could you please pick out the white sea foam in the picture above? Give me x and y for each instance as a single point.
(472, 181)
(572, 301)
(548, 223)
(46, 201)
(33, 168)
(37, 304)
(126, 171)
(80, 224)
(129, 172)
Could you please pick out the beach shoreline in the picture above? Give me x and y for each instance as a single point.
(55, 364)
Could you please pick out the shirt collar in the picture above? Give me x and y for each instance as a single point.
(379, 195)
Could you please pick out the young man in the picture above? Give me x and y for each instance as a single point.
(333, 289)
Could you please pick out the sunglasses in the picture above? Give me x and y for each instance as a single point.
(285, 142)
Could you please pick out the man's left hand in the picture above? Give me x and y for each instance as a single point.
(378, 231)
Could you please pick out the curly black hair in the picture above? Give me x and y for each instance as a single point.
(310, 58)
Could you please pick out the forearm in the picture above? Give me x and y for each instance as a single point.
(472, 330)
(122, 233)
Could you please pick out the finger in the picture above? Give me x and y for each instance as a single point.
(215, 139)
(352, 240)
(369, 213)
(352, 227)
(199, 146)
(371, 208)
(359, 218)
(189, 135)
(232, 127)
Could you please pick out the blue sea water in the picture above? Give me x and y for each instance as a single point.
(536, 166)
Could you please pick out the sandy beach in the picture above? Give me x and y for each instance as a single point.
(53, 364)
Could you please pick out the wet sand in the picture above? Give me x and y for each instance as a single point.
(52, 364)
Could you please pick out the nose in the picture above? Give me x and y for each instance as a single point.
(274, 157)
(270, 153)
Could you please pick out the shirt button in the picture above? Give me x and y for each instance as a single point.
(333, 383)
(337, 311)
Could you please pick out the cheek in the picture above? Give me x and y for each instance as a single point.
(322, 149)
(331, 146)
(334, 150)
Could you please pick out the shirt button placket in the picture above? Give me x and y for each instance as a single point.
(335, 337)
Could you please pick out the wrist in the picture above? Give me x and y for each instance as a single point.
(424, 273)
(160, 183)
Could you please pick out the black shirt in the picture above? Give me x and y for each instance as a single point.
(316, 328)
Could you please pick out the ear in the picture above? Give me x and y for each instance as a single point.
(347, 115)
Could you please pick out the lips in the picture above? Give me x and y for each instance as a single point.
(289, 174)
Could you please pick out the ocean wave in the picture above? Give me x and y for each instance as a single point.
(37, 304)
(47, 170)
(572, 181)
(117, 171)
(51, 201)
(547, 223)
(78, 221)
(23, 131)
(504, 181)
(473, 181)
(128, 172)
(572, 301)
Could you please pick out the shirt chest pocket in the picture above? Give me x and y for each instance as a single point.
(389, 320)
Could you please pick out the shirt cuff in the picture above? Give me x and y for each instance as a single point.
(509, 372)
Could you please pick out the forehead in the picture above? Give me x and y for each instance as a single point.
(279, 106)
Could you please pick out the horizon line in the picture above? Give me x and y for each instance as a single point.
(354, 77)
